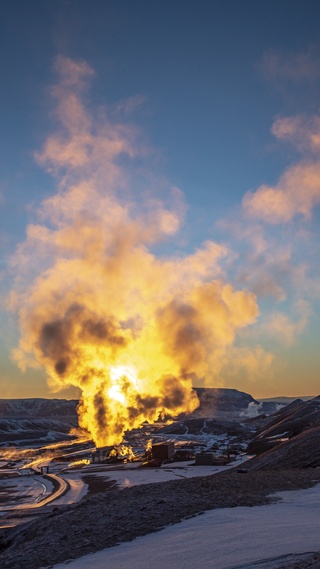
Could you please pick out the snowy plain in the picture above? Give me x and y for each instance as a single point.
(132, 474)
(228, 538)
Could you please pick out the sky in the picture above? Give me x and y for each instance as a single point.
(194, 130)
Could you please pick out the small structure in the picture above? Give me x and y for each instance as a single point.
(204, 459)
(101, 454)
(211, 459)
(163, 451)
(184, 454)
(44, 469)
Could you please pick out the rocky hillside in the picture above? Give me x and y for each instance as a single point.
(286, 423)
(37, 408)
(28, 420)
(302, 451)
(290, 439)
(222, 402)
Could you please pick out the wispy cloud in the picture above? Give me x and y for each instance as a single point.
(287, 329)
(297, 191)
(84, 142)
(245, 366)
(277, 237)
(302, 131)
(296, 67)
(128, 106)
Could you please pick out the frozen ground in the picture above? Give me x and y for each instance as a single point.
(34, 491)
(132, 474)
(222, 539)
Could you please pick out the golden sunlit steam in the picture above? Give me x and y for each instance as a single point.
(97, 308)
(79, 463)
(122, 451)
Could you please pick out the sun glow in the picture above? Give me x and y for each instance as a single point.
(120, 376)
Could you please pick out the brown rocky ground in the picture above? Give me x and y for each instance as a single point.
(112, 516)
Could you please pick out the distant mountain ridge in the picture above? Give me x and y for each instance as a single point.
(33, 417)
(36, 419)
(30, 419)
(222, 400)
(38, 408)
(282, 436)
(213, 401)
(285, 399)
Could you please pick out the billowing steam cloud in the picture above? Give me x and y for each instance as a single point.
(97, 308)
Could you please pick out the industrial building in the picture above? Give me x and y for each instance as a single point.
(163, 451)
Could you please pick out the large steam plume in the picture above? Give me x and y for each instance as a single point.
(97, 308)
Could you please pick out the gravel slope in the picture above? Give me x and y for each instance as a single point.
(313, 562)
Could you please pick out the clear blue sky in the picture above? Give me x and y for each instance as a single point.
(225, 98)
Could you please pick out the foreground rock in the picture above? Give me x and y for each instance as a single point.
(105, 519)
(312, 562)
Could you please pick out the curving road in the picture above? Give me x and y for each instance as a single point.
(60, 487)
